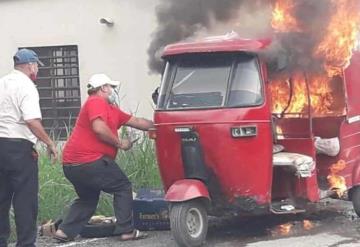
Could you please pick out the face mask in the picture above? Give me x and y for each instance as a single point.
(112, 97)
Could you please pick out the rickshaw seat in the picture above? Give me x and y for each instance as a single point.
(303, 165)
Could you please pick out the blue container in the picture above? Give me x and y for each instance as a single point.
(151, 211)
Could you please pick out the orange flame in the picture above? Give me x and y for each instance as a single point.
(337, 167)
(308, 225)
(334, 50)
(282, 17)
(285, 229)
(337, 183)
(279, 133)
(340, 38)
(280, 91)
(321, 95)
(322, 98)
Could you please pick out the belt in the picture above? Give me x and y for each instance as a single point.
(84, 164)
(17, 140)
(73, 165)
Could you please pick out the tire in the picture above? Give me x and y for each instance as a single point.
(189, 223)
(355, 197)
(98, 230)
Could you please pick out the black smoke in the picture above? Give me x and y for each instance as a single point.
(314, 18)
(298, 47)
(181, 19)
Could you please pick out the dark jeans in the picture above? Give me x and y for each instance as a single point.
(89, 180)
(19, 186)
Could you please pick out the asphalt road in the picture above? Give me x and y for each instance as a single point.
(330, 224)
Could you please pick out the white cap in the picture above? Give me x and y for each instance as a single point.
(98, 80)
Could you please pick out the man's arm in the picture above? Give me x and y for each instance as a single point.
(140, 123)
(38, 130)
(104, 133)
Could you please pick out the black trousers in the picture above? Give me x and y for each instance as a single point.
(89, 180)
(19, 186)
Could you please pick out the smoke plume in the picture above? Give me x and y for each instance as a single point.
(297, 47)
(179, 20)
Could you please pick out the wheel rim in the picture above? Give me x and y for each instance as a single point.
(194, 222)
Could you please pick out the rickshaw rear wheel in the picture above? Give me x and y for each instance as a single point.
(189, 222)
(355, 197)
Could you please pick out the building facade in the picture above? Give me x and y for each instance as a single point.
(75, 39)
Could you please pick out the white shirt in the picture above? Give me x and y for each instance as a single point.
(19, 101)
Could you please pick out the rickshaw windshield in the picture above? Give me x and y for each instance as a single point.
(211, 81)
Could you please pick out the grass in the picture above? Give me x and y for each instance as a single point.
(56, 193)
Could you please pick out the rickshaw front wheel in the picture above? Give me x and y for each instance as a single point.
(355, 197)
(189, 222)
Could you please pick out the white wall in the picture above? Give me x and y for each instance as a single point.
(119, 51)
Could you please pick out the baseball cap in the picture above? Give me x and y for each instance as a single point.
(24, 56)
(98, 80)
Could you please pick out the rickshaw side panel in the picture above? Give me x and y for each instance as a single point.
(352, 82)
(293, 128)
(350, 128)
(350, 152)
(327, 127)
(168, 153)
(306, 188)
(346, 128)
(296, 137)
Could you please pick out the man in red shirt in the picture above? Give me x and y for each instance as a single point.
(88, 161)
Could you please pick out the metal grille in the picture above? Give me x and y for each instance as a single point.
(59, 89)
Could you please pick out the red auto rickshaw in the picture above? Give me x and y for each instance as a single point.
(231, 141)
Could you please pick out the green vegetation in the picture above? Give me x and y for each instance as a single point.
(56, 193)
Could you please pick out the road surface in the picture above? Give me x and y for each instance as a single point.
(331, 224)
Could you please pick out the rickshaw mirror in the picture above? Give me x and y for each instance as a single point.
(155, 95)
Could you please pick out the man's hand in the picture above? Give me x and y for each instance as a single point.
(125, 144)
(38, 130)
(140, 123)
(52, 152)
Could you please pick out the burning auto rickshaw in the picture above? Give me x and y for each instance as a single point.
(231, 140)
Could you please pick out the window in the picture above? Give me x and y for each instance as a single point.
(246, 85)
(59, 88)
(211, 81)
(200, 82)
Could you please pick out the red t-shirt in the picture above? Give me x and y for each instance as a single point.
(83, 145)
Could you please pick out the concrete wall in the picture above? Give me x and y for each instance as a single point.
(119, 51)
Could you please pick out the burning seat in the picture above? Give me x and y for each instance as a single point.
(301, 164)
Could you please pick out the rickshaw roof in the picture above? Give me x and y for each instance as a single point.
(217, 44)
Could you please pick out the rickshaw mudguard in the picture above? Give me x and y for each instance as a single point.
(187, 189)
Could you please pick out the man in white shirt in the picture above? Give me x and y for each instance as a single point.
(20, 128)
